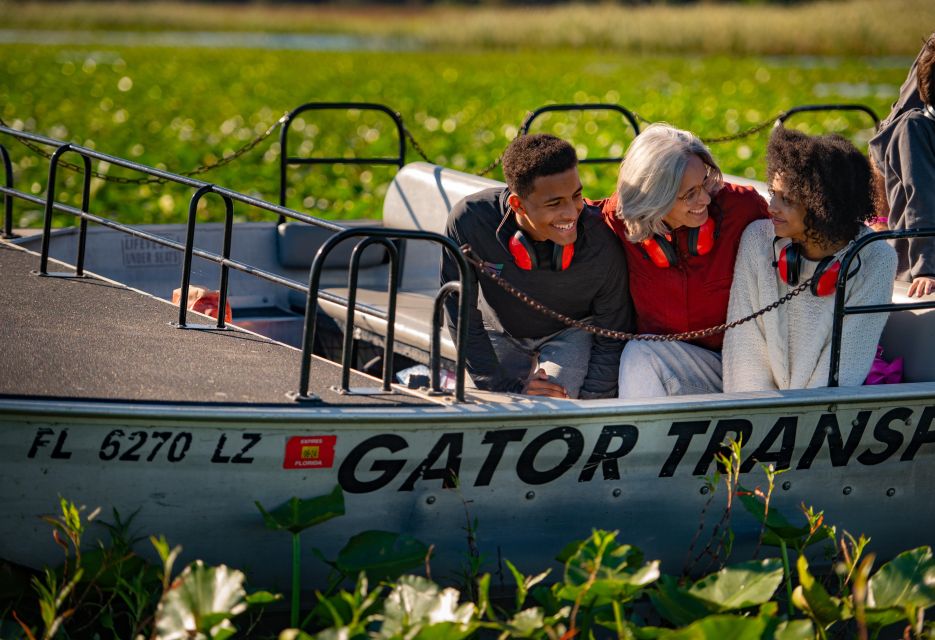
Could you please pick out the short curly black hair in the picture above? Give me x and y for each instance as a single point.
(829, 176)
(532, 156)
(926, 72)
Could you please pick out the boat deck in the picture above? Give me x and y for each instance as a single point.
(91, 338)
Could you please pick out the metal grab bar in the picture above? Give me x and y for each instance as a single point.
(805, 108)
(841, 310)
(285, 159)
(595, 106)
(311, 309)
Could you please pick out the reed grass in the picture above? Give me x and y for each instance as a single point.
(828, 27)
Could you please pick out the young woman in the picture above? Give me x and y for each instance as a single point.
(680, 225)
(820, 201)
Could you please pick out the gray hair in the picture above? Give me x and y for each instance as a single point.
(650, 176)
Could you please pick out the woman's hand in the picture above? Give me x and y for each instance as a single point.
(540, 385)
(921, 286)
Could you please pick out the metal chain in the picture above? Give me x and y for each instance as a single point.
(728, 138)
(194, 172)
(485, 269)
(419, 150)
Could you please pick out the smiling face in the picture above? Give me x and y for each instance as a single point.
(551, 210)
(787, 215)
(691, 202)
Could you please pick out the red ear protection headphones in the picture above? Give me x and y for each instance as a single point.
(662, 253)
(524, 253)
(825, 278)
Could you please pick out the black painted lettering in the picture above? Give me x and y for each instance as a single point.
(252, 440)
(110, 447)
(882, 432)
(782, 459)
(498, 441)
(741, 429)
(58, 451)
(130, 455)
(218, 456)
(685, 432)
(388, 469)
(526, 467)
(839, 451)
(921, 436)
(453, 443)
(41, 440)
(181, 443)
(161, 437)
(603, 457)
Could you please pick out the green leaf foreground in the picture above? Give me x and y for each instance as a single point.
(295, 514)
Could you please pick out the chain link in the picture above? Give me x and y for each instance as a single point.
(152, 180)
(523, 297)
(728, 138)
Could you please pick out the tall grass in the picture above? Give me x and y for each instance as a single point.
(841, 27)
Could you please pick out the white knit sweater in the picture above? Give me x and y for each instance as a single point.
(790, 347)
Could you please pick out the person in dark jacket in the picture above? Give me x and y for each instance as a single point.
(538, 234)
(904, 153)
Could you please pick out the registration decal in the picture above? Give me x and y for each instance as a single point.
(309, 452)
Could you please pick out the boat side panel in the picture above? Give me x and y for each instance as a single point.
(532, 487)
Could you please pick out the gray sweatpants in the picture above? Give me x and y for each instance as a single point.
(564, 356)
(658, 369)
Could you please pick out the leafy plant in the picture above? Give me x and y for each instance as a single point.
(296, 515)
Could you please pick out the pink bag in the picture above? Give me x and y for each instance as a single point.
(883, 372)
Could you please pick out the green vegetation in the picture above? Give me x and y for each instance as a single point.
(181, 108)
(606, 588)
(841, 27)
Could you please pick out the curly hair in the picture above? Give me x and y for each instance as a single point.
(829, 177)
(532, 156)
(926, 72)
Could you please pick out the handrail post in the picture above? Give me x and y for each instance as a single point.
(49, 206)
(438, 318)
(592, 106)
(352, 278)
(187, 260)
(7, 198)
(226, 254)
(808, 108)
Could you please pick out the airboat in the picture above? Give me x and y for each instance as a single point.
(112, 396)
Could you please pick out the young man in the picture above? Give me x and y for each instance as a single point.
(538, 234)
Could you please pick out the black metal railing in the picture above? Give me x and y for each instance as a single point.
(285, 159)
(809, 108)
(229, 197)
(386, 236)
(841, 309)
(595, 106)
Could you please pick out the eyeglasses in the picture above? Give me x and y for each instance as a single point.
(706, 186)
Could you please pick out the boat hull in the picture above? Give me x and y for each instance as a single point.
(534, 474)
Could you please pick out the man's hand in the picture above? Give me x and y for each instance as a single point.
(921, 286)
(540, 385)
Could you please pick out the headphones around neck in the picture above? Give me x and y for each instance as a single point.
(660, 250)
(825, 278)
(523, 250)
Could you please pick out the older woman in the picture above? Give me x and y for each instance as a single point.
(680, 225)
(820, 198)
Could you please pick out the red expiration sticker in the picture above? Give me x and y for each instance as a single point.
(309, 452)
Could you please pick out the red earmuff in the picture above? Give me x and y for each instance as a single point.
(662, 253)
(789, 266)
(524, 253)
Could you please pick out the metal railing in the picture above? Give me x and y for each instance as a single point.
(385, 237)
(285, 159)
(809, 108)
(595, 106)
(841, 309)
(226, 263)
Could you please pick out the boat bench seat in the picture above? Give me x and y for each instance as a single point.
(908, 335)
(419, 198)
